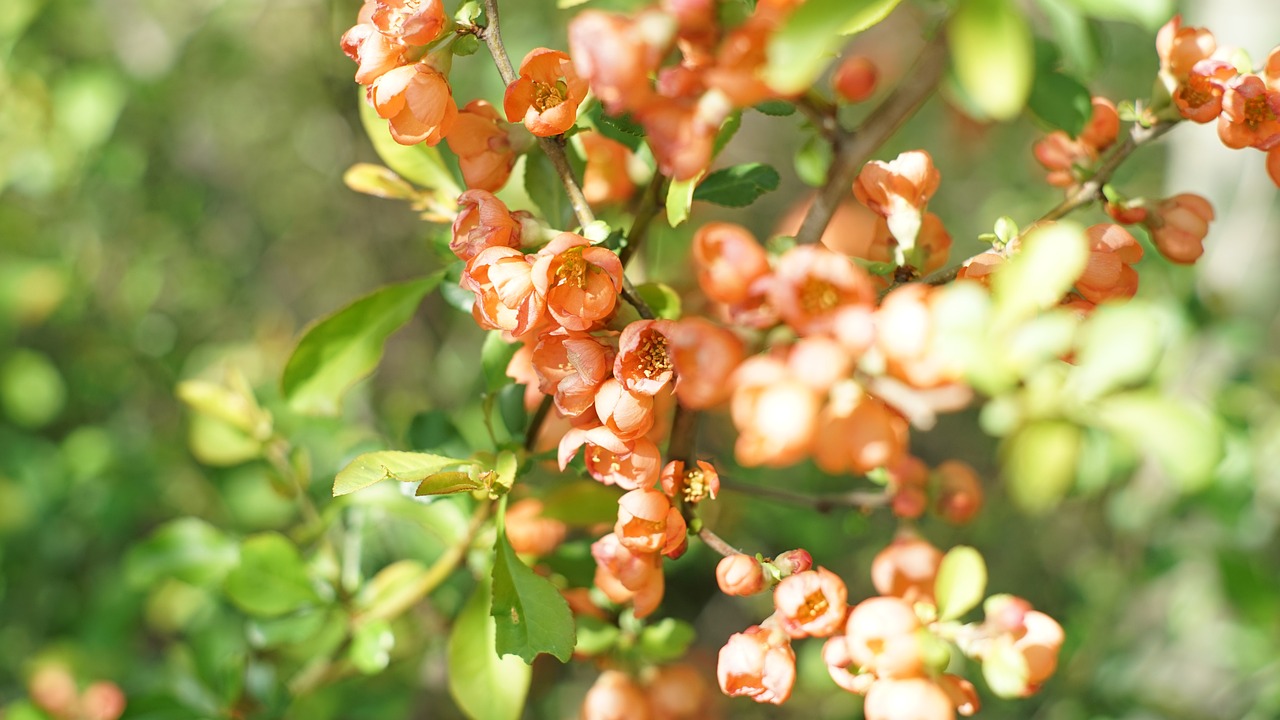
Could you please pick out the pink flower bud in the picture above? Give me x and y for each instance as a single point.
(102, 701)
(855, 79)
(959, 492)
(793, 561)
(906, 569)
(740, 575)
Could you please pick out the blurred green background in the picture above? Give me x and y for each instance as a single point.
(171, 205)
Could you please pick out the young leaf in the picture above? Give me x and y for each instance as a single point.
(679, 198)
(188, 549)
(798, 52)
(727, 130)
(1005, 668)
(993, 55)
(1119, 345)
(271, 579)
(485, 685)
(666, 640)
(544, 188)
(1047, 266)
(1186, 441)
(418, 164)
(371, 645)
(373, 467)
(532, 616)
(961, 583)
(1040, 464)
(343, 348)
(737, 186)
(1060, 101)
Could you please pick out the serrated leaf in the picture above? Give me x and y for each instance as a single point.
(542, 183)
(1039, 463)
(1048, 264)
(737, 186)
(961, 582)
(371, 645)
(799, 51)
(373, 467)
(1186, 441)
(531, 615)
(993, 55)
(418, 164)
(188, 549)
(271, 579)
(1060, 102)
(343, 348)
(679, 198)
(620, 129)
(485, 685)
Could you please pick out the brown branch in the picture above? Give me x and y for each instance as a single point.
(854, 149)
(651, 203)
(826, 503)
(717, 543)
(822, 114)
(535, 423)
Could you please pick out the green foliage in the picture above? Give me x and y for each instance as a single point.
(799, 51)
(187, 549)
(271, 579)
(993, 55)
(679, 198)
(484, 684)
(737, 186)
(373, 467)
(419, 164)
(961, 582)
(542, 183)
(345, 347)
(531, 615)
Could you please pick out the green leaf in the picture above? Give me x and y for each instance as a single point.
(378, 181)
(495, 355)
(543, 185)
(1186, 441)
(993, 55)
(595, 636)
(737, 186)
(233, 404)
(776, 108)
(435, 431)
(1060, 101)
(799, 51)
(1040, 464)
(813, 160)
(621, 129)
(218, 444)
(418, 164)
(515, 417)
(1046, 267)
(371, 646)
(188, 549)
(448, 483)
(1150, 14)
(666, 640)
(662, 299)
(343, 348)
(485, 686)
(1005, 668)
(532, 617)
(271, 579)
(679, 198)
(1119, 345)
(1075, 37)
(961, 582)
(727, 131)
(373, 467)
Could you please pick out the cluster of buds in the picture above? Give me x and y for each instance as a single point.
(670, 692)
(1206, 86)
(53, 689)
(682, 106)
(1066, 158)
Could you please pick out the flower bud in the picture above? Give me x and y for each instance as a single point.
(1179, 225)
(906, 569)
(531, 534)
(793, 561)
(855, 79)
(680, 692)
(615, 696)
(812, 603)
(759, 664)
(740, 575)
(102, 701)
(1006, 613)
(883, 637)
(959, 495)
(909, 699)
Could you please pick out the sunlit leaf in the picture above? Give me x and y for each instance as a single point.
(810, 37)
(486, 686)
(532, 616)
(1185, 440)
(661, 298)
(1039, 464)
(419, 164)
(371, 645)
(1005, 668)
(1048, 264)
(737, 186)
(344, 347)
(993, 55)
(679, 198)
(1119, 345)
(961, 582)
(373, 467)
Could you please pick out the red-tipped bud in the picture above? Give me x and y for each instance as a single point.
(793, 561)
(855, 79)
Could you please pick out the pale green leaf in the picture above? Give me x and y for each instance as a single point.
(1040, 464)
(419, 164)
(373, 467)
(810, 37)
(485, 685)
(1119, 345)
(271, 579)
(961, 582)
(371, 645)
(679, 198)
(993, 55)
(1046, 267)
(1005, 668)
(344, 347)
(1186, 441)
(188, 549)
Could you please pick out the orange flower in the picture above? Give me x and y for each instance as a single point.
(908, 479)
(413, 22)
(1178, 226)
(682, 132)
(626, 576)
(703, 354)
(728, 260)
(483, 221)
(417, 101)
(906, 569)
(691, 485)
(570, 366)
(1108, 275)
(980, 266)
(546, 95)
(776, 414)
(373, 52)
(680, 692)
(1181, 48)
(813, 603)
(605, 179)
(529, 532)
(627, 415)
(629, 464)
(916, 698)
(1250, 114)
(1271, 70)
(855, 79)
(835, 654)
(742, 54)
(882, 638)
(1039, 645)
(858, 433)
(643, 364)
(482, 146)
(615, 696)
(580, 281)
(959, 492)
(1061, 154)
(905, 332)
(501, 278)
(617, 54)
(1273, 165)
(1200, 98)
(898, 190)
(759, 664)
(647, 523)
(811, 283)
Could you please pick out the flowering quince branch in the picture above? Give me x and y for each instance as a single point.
(1091, 190)
(852, 149)
(717, 543)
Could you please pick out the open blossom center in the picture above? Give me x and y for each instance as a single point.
(815, 604)
(653, 356)
(546, 95)
(573, 269)
(695, 485)
(817, 296)
(1257, 111)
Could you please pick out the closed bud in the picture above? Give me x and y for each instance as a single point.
(615, 696)
(793, 561)
(740, 575)
(959, 495)
(102, 701)
(855, 79)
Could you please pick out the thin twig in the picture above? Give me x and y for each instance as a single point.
(651, 203)
(853, 149)
(825, 503)
(535, 423)
(822, 113)
(717, 543)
